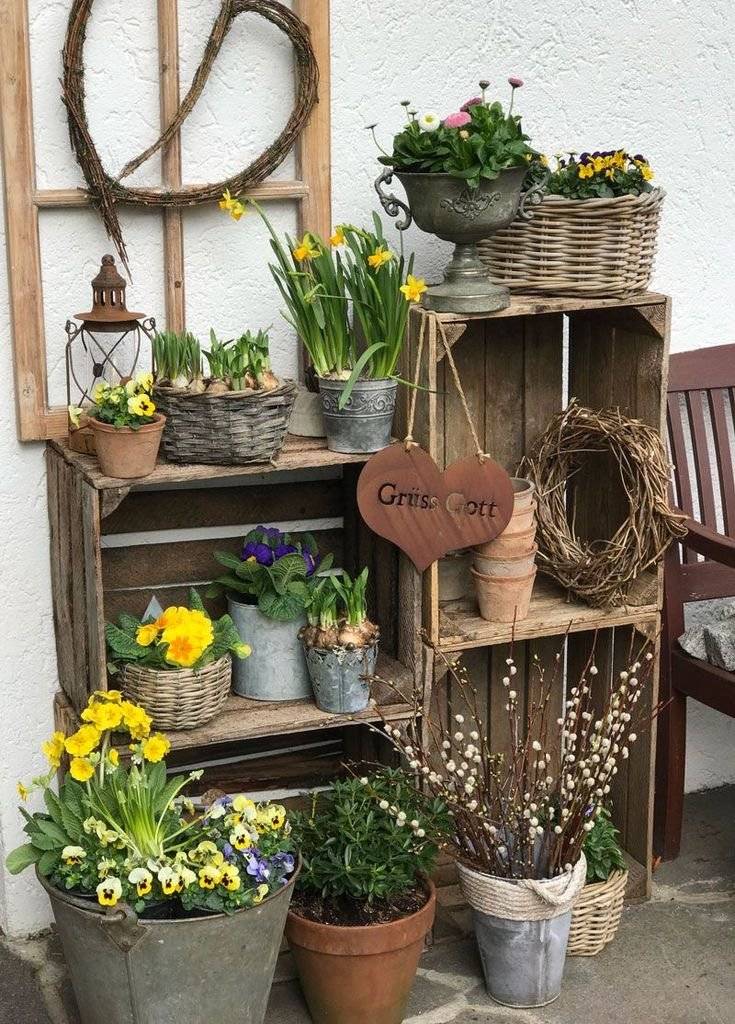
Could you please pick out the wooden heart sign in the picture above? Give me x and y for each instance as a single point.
(403, 496)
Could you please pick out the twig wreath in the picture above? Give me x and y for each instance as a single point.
(601, 571)
(106, 190)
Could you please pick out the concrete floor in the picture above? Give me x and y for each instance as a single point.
(673, 961)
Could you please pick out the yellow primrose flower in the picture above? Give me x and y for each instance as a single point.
(113, 756)
(141, 405)
(379, 257)
(136, 720)
(142, 879)
(414, 288)
(53, 749)
(306, 249)
(243, 650)
(338, 238)
(103, 715)
(245, 808)
(156, 747)
(23, 791)
(260, 894)
(171, 616)
(183, 650)
(240, 838)
(145, 635)
(83, 741)
(73, 855)
(81, 769)
(109, 891)
(230, 877)
(209, 876)
(113, 695)
(105, 866)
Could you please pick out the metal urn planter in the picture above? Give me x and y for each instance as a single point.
(364, 425)
(338, 676)
(125, 970)
(447, 207)
(276, 668)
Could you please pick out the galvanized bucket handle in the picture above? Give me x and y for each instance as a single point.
(391, 203)
(533, 197)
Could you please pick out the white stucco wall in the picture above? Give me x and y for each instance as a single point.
(657, 78)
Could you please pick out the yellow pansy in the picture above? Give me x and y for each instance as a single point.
(109, 891)
(73, 855)
(103, 715)
(169, 880)
(209, 876)
(414, 288)
(145, 380)
(229, 877)
(338, 238)
(379, 257)
(260, 894)
(156, 747)
(586, 171)
(91, 825)
(81, 769)
(105, 866)
(204, 851)
(74, 411)
(113, 756)
(245, 808)
(306, 249)
(240, 838)
(141, 405)
(142, 879)
(107, 836)
(23, 791)
(83, 741)
(272, 817)
(646, 172)
(186, 876)
(100, 392)
(53, 749)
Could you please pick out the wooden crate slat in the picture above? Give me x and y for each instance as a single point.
(533, 305)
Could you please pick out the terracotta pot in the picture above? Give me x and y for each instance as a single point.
(454, 576)
(521, 521)
(503, 598)
(523, 491)
(508, 544)
(360, 975)
(126, 453)
(507, 565)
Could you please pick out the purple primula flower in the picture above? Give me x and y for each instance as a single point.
(310, 561)
(260, 552)
(284, 549)
(272, 532)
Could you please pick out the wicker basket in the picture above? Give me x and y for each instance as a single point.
(587, 247)
(596, 915)
(179, 698)
(231, 428)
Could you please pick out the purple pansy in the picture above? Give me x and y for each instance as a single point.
(258, 867)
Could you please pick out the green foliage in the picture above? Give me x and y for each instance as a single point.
(242, 362)
(477, 151)
(353, 845)
(598, 175)
(602, 850)
(177, 357)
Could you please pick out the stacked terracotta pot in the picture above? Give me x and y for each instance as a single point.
(504, 569)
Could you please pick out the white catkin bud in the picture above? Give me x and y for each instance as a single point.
(397, 734)
(649, 656)
(588, 826)
(414, 764)
(459, 719)
(513, 670)
(414, 823)
(512, 694)
(506, 680)
(474, 735)
(477, 759)
(459, 737)
(446, 744)
(420, 833)
(384, 805)
(388, 728)
(632, 738)
(508, 661)
(536, 745)
(593, 670)
(364, 780)
(549, 780)
(557, 829)
(560, 721)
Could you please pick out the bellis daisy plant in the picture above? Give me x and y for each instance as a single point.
(124, 833)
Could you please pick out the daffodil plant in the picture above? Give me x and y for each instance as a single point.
(125, 833)
(178, 638)
(121, 405)
(598, 175)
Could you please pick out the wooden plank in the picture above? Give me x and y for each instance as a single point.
(173, 228)
(722, 405)
(135, 602)
(94, 619)
(710, 367)
(543, 345)
(21, 222)
(550, 614)
(531, 305)
(313, 149)
(77, 198)
(700, 448)
(641, 772)
(504, 380)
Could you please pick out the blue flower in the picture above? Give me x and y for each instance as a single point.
(261, 552)
(281, 550)
(258, 867)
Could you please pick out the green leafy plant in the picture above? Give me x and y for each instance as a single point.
(177, 357)
(476, 143)
(602, 850)
(369, 839)
(242, 362)
(337, 613)
(598, 175)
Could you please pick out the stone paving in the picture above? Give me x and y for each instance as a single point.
(673, 961)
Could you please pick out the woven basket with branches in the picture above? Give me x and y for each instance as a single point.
(596, 915)
(181, 698)
(581, 247)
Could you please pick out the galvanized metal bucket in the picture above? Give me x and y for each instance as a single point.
(128, 971)
(276, 669)
(339, 677)
(364, 425)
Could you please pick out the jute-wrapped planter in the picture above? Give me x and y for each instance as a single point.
(181, 698)
(585, 247)
(235, 427)
(596, 915)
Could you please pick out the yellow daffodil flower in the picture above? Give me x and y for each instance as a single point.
(413, 289)
(226, 201)
(141, 405)
(338, 238)
(260, 894)
(53, 749)
(81, 769)
(306, 249)
(379, 257)
(73, 855)
(142, 879)
(209, 876)
(23, 791)
(109, 891)
(145, 635)
(156, 747)
(83, 741)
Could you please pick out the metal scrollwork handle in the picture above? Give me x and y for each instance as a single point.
(391, 203)
(533, 197)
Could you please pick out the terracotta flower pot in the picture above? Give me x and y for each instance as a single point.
(359, 975)
(503, 598)
(126, 453)
(521, 521)
(506, 565)
(507, 545)
(523, 491)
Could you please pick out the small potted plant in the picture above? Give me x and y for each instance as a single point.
(365, 902)
(126, 426)
(521, 821)
(594, 233)
(318, 280)
(463, 175)
(238, 413)
(157, 904)
(268, 589)
(599, 906)
(340, 643)
(176, 665)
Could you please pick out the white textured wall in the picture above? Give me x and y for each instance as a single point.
(654, 77)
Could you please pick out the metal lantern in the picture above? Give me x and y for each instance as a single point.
(105, 344)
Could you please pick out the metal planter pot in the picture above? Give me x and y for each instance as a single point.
(337, 676)
(276, 669)
(364, 425)
(128, 971)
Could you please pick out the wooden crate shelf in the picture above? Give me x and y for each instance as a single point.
(552, 613)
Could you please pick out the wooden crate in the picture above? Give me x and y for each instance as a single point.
(115, 544)
(519, 367)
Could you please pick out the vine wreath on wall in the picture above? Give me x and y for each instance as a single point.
(106, 190)
(601, 571)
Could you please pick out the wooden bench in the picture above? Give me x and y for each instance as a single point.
(701, 410)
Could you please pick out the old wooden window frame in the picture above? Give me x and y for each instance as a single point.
(36, 419)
